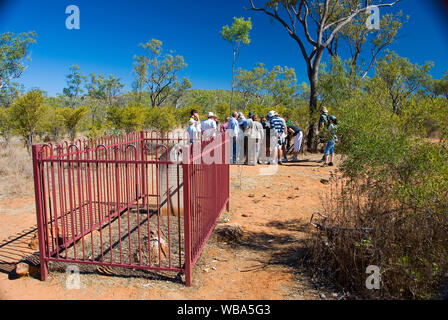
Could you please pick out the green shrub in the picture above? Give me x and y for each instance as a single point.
(389, 207)
(161, 119)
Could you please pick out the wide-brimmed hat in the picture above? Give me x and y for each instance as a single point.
(324, 110)
(271, 114)
(211, 115)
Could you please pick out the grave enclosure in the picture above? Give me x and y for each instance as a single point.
(127, 201)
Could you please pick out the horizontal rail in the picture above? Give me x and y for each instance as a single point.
(109, 264)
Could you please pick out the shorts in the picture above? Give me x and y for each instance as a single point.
(298, 141)
(281, 143)
(329, 149)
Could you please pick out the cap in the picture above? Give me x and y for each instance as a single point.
(271, 114)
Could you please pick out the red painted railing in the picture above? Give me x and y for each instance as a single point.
(142, 200)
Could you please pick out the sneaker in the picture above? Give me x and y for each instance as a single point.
(280, 162)
(295, 159)
(285, 160)
(331, 164)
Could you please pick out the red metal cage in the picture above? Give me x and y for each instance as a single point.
(142, 200)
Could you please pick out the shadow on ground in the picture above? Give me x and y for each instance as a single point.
(14, 250)
(284, 250)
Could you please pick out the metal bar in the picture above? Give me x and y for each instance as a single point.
(37, 190)
(187, 225)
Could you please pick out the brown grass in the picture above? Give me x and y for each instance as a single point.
(362, 225)
(16, 170)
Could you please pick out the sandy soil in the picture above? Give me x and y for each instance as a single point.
(274, 209)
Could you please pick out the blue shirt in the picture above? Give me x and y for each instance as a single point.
(246, 123)
(233, 127)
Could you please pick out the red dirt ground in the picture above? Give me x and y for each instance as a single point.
(274, 211)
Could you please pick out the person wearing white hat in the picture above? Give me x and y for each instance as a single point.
(277, 124)
(194, 132)
(209, 126)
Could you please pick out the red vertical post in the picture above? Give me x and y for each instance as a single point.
(39, 213)
(226, 167)
(187, 223)
(143, 158)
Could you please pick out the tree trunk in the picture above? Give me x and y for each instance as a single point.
(313, 75)
(29, 141)
(313, 125)
(233, 80)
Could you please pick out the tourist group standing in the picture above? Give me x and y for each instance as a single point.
(265, 140)
(255, 139)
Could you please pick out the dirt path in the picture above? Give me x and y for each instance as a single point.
(273, 208)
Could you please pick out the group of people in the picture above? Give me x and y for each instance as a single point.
(254, 140)
(266, 140)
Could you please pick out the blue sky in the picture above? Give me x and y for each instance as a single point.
(111, 31)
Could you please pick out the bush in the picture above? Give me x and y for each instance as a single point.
(27, 114)
(6, 124)
(388, 208)
(161, 119)
(72, 119)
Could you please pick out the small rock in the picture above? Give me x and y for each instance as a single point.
(297, 189)
(214, 268)
(251, 195)
(206, 269)
(323, 296)
(324, 181)
(22, 269)
(245, 216)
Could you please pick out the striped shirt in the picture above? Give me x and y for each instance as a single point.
(277, 124)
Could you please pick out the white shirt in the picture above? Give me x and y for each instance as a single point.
(209, 128)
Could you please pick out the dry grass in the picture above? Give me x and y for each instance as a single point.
(16, 170)
(362, 225)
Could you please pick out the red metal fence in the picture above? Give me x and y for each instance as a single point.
(142, 200)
